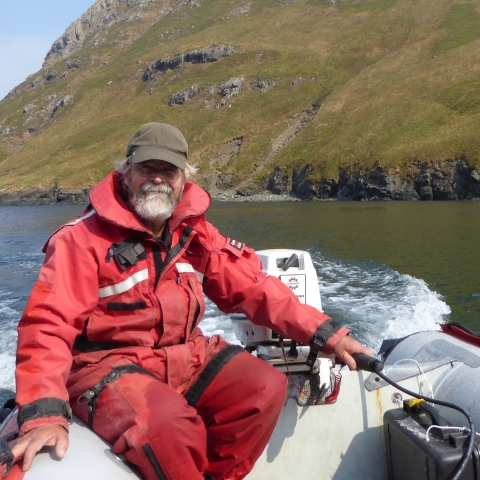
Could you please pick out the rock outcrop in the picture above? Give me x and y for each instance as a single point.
(37, 120)
(6, 130)
(449, 180)
(202, 55)
(376, 185)
(242, 9)
(180, 98)
(263, 85)
(44, 196)
(231, 88)
(35, 82)
(100, 16)
(452, 180)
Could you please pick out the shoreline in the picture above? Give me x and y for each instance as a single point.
(450, 181)
(38, 197)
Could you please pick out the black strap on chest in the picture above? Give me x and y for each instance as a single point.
(171, 252)
(157, 259)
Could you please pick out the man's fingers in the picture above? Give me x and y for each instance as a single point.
(61, 446)
(346, 347)
(19, 448)
(366, 351)
(28, 449)
(28, 457)
(60, 442)
(349, 361)
(32, 442)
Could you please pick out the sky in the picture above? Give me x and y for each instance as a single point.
(28, 29)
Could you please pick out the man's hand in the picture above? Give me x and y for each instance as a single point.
(346, 347)
(33, 441)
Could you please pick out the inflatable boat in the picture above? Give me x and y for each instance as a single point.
(336, 424)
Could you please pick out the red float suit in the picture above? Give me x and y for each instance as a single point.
(123, 339)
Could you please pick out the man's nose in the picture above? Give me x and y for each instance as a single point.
(157, 179)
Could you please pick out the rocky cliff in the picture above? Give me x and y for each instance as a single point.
(449, 180)
(96, 22)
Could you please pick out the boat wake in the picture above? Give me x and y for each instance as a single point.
(376, 302)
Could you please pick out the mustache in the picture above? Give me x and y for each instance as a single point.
(148, 188)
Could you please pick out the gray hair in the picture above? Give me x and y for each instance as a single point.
(124, 166)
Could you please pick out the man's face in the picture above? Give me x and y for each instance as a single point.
(154, 189)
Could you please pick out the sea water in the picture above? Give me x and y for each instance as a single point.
(385, 270)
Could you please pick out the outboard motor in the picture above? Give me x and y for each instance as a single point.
(314, 385)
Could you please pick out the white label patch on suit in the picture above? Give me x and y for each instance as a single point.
(122, 287)
(235, 244)
(297, 284)
(186, 268)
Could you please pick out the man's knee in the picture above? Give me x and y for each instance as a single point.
(271, 382)
(244, 379)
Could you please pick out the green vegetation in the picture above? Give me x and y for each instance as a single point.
(461, 26)
(397, 80)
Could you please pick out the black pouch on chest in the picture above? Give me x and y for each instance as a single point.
(127, 253)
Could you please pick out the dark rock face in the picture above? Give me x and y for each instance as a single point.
(328, 188)
(78, 62)
(279, 182)
(263, 85)
(302, 186)
(451, 180)
(162, 66)
(297, 183)
(225, 181)
(378, 185)
(202, 55)
(467, 181)
(44, 196)
(232, 87)
(180, 98)
(209, 54)
(50, 75)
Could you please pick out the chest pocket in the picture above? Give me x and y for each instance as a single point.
(191, 281)
(180, 295)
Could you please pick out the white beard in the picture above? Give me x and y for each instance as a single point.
(154, 202)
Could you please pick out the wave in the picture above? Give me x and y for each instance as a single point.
(376, 302)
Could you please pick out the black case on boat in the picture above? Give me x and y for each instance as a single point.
(411, 457)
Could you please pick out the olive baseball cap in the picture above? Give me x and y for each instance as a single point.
(158, 141)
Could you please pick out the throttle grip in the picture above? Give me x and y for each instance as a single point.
(367, 363)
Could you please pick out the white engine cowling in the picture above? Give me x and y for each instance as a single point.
(300, 276)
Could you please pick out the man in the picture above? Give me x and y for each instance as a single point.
(111, 327)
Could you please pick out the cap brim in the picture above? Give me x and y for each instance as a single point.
(143, 154)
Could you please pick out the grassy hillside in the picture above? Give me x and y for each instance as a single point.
(397, 81)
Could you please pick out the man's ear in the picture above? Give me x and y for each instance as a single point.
(126, 183)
